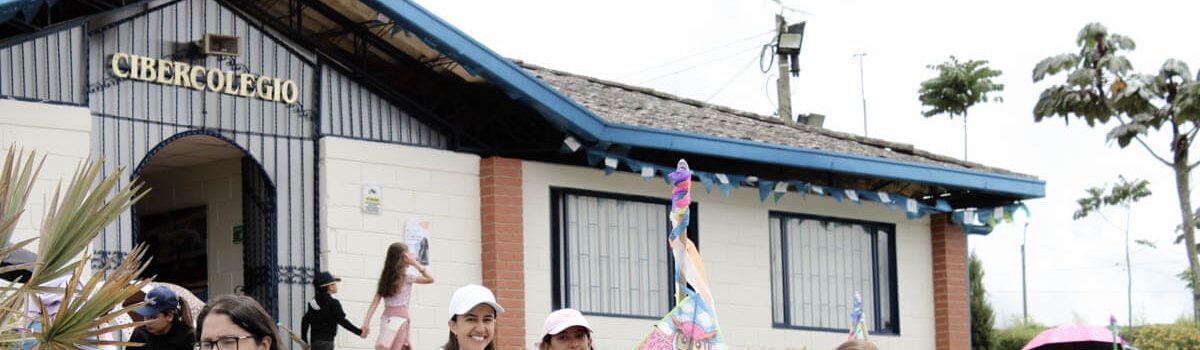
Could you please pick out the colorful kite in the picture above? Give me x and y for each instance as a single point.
(692, 324)
(858, 330)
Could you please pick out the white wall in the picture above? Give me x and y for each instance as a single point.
(417, 182)
(735, 249)
(60, 133)
(217, 186)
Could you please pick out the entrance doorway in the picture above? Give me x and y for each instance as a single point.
(209, 218)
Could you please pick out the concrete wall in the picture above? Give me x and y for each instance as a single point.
(218, 187)
(60, 133)
(416, 182)
(735, 248)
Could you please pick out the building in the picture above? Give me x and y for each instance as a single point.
(260, 125)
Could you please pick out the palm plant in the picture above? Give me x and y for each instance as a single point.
(74, 216)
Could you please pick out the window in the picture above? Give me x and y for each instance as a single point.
(610, 254)
(818, 263)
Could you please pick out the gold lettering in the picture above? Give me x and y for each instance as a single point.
(290, 92)
(182, 78)
(164, 68)
(148, 73)
(135, 67)
(247, 83)
(230, 84)
(116, 65)
(216, 84)
(264, 92)
(275, 88)
(198, 84)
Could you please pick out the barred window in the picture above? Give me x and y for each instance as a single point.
(818, 263)
(610, 254)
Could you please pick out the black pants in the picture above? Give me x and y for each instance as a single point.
(321, 345)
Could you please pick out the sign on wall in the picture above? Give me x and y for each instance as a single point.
(372, 199)
(416, 235)
(157, 70)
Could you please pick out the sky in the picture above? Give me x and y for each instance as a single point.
(709, 50)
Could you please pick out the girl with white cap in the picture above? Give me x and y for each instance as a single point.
(472, 315)
(566, 329)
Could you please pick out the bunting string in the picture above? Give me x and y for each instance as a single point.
(776, 189)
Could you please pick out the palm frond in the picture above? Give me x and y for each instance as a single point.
(77, 215)
(16, 181)
(88, 312)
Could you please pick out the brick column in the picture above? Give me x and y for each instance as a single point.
(951, 305)
(503, 240)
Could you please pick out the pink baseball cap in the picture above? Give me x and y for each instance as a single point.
(562, 319)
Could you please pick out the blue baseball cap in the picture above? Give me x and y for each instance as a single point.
(158, 300)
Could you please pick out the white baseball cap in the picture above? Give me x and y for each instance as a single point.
(468, 296)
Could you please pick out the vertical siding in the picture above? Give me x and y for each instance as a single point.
(46, 67)
(350, 109)
(133, 119)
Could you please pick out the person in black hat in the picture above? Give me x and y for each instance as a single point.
(167, 327)
(325, 314)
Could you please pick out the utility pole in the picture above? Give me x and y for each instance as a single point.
(783, 85)
(862, 90)
(1024, 295)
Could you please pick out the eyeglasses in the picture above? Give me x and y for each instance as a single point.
(222, 343)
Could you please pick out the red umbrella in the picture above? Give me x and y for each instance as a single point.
(1077, 337)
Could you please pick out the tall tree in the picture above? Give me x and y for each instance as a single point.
(1122, 194)
(957, 87)
(982, 316)
(1100, 88)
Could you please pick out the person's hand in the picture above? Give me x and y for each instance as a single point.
(365, 330)
(306, 346)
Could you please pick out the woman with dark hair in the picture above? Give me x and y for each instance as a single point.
(473, 311)
(400, 271)
(168, 324)
(566, 329)
(236, 322)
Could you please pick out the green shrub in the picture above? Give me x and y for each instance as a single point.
(1015, 337)
(1178, 336)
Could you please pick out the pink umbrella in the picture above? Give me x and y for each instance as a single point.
(1077, 337)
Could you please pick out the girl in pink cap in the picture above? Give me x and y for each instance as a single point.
(400, 271)
(566, 329)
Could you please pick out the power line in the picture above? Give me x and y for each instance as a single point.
(731, 79)
(694, 55)
(697, 65)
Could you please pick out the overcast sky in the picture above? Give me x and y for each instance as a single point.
(709, 50)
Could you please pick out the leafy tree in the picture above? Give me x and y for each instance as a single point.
(1100, 88)
(958, 86)
(982, 316)
(1123, 194)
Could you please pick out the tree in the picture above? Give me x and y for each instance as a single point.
(73, 217)
(1123, 194)
(1099, 88)
(958, 86)
(982, 316)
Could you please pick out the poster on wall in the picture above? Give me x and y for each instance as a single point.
(416, 235)
(372, 199)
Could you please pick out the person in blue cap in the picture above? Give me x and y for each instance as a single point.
(167, 327)
(325, 314)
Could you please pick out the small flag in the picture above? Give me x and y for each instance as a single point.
(858, 330)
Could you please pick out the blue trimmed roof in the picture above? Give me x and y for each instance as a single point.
(572, 117)
(29, 8)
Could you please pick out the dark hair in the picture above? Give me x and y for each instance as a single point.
(394, 266)
(183, 315)
(245, 313)
(452, 343)
(546, 340)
